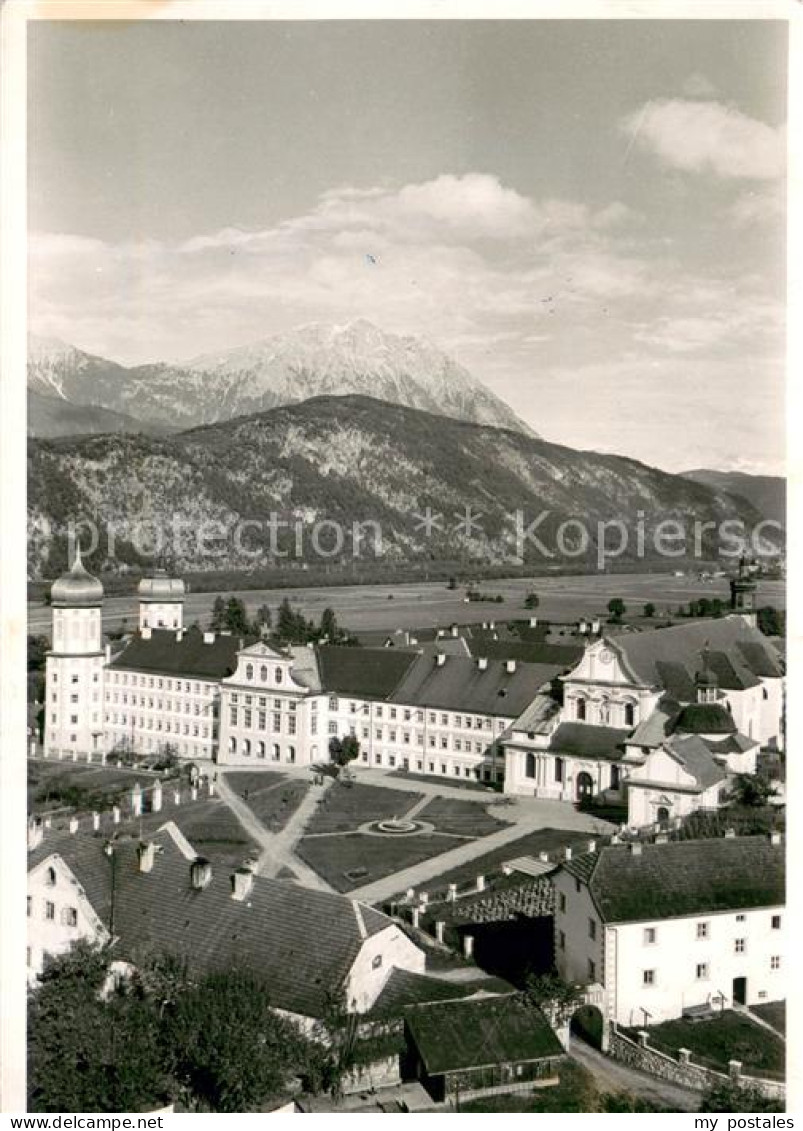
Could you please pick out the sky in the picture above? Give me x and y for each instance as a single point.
(587, 214)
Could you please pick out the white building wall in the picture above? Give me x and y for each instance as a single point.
(59, 914)
(676, 954)
(579, 947)
(147, 712)
(166, 614)
(74, 682)
(379, 955)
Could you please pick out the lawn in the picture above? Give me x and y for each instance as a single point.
(456, 783)
(728, 1036)
(774, 1013)
(463, 818)
(344, 808)
(253, 781)
(209, 826)
(271, 797)
(79, 788)
(367, 858)
(545, 840)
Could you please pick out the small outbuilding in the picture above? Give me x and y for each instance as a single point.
(481, 1046)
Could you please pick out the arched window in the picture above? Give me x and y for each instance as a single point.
(276, 751)
(530, 771)
(249, 671)
(581, 709)
(51, 877)
(263, 674)
(278, 675)
(232, 745)
(616, 777)
(246, 746)
(630, 715)
(291, 754)
(260, 750)
(662, 814)
(604, 711)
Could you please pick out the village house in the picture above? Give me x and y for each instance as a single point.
(656, 930)
(159, 897)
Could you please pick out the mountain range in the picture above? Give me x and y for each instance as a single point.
(349, 459)
(767, 493)
(313, 360)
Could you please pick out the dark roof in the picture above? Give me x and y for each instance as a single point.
(460, 684)
(163, 654)
(372, 673)
(404, 987)
(735, 651)
(733, 744)
(478, 1032)
(684, 877)
(695, 756)
(658, 725)
(705, 718)
(302, 943)
(589, 741)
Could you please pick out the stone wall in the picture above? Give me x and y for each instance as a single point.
(683, 1071)
(382, 1073)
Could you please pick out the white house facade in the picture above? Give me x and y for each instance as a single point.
(668, 927)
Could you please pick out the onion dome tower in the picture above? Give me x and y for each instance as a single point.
(161, 602)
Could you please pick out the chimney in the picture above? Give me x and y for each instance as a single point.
(36, 833)
(567, 854)
(482, 663)
(241, 883)
(730, 834)
(200, 873)
(145, 632)
(440, 659)
(108, 653)
(592, 846)
(492, 624)
(775, 838)
(146, 854)
(510, 666)
(179, 635)
(533, 622)
(468, 946)
(635, 848)
(209, 638)
(455, 630)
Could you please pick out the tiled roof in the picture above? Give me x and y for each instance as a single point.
(301, 943)
(681, 878)
(404, 987)
(585, 740)
(657, 726)
(696, 757)
(479, 1032)
(705, 718)
(460, 684)
(372, 673)
(163, 654)
(538, 715)
(735, 651)
(733, 744)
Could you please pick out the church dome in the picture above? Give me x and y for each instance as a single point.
(705, 718)
(161, 588)
(77, 588)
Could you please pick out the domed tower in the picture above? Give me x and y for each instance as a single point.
(743, 595)
(161, 602)
(75, 665)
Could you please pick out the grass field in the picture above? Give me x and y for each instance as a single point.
(271, 797)
(368, 858)
(463, 818)
(774, 1013)
(209, 826)
(345, 807)
(78, 788)
(728, 1036)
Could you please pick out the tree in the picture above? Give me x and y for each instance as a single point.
(617, 609)
(649, 610)
(751, 791)
(329, 626)
(531, 601)
(344, 750)
(87, 1052)
(218, 619)
(731, 1097)
(451, 583)
(236, 618)
(230, 1050)
(332, 1052)
(771, 621)
(263, 621)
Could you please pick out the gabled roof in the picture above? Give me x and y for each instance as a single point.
(460, 684)
(681, 878)
(696, 757)
(405, 987)
(586, 740)
(302, 943)
(733, 744)
(538, 716)
(370, 673)
(479, 1032)
(668, 657)
(658, 725)
(163, 654)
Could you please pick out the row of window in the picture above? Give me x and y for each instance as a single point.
(68, 915)
(259, 749)
(125, 679)
(258, 720)
(175, 706)
(54, 677)
(413, 714)
(262, 701)
(165, 726)
(605, 712)
(264, 675)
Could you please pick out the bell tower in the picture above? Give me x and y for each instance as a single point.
(743, 595)
(75, 665)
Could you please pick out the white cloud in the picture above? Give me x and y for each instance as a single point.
(708, 137)
(698, 86)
